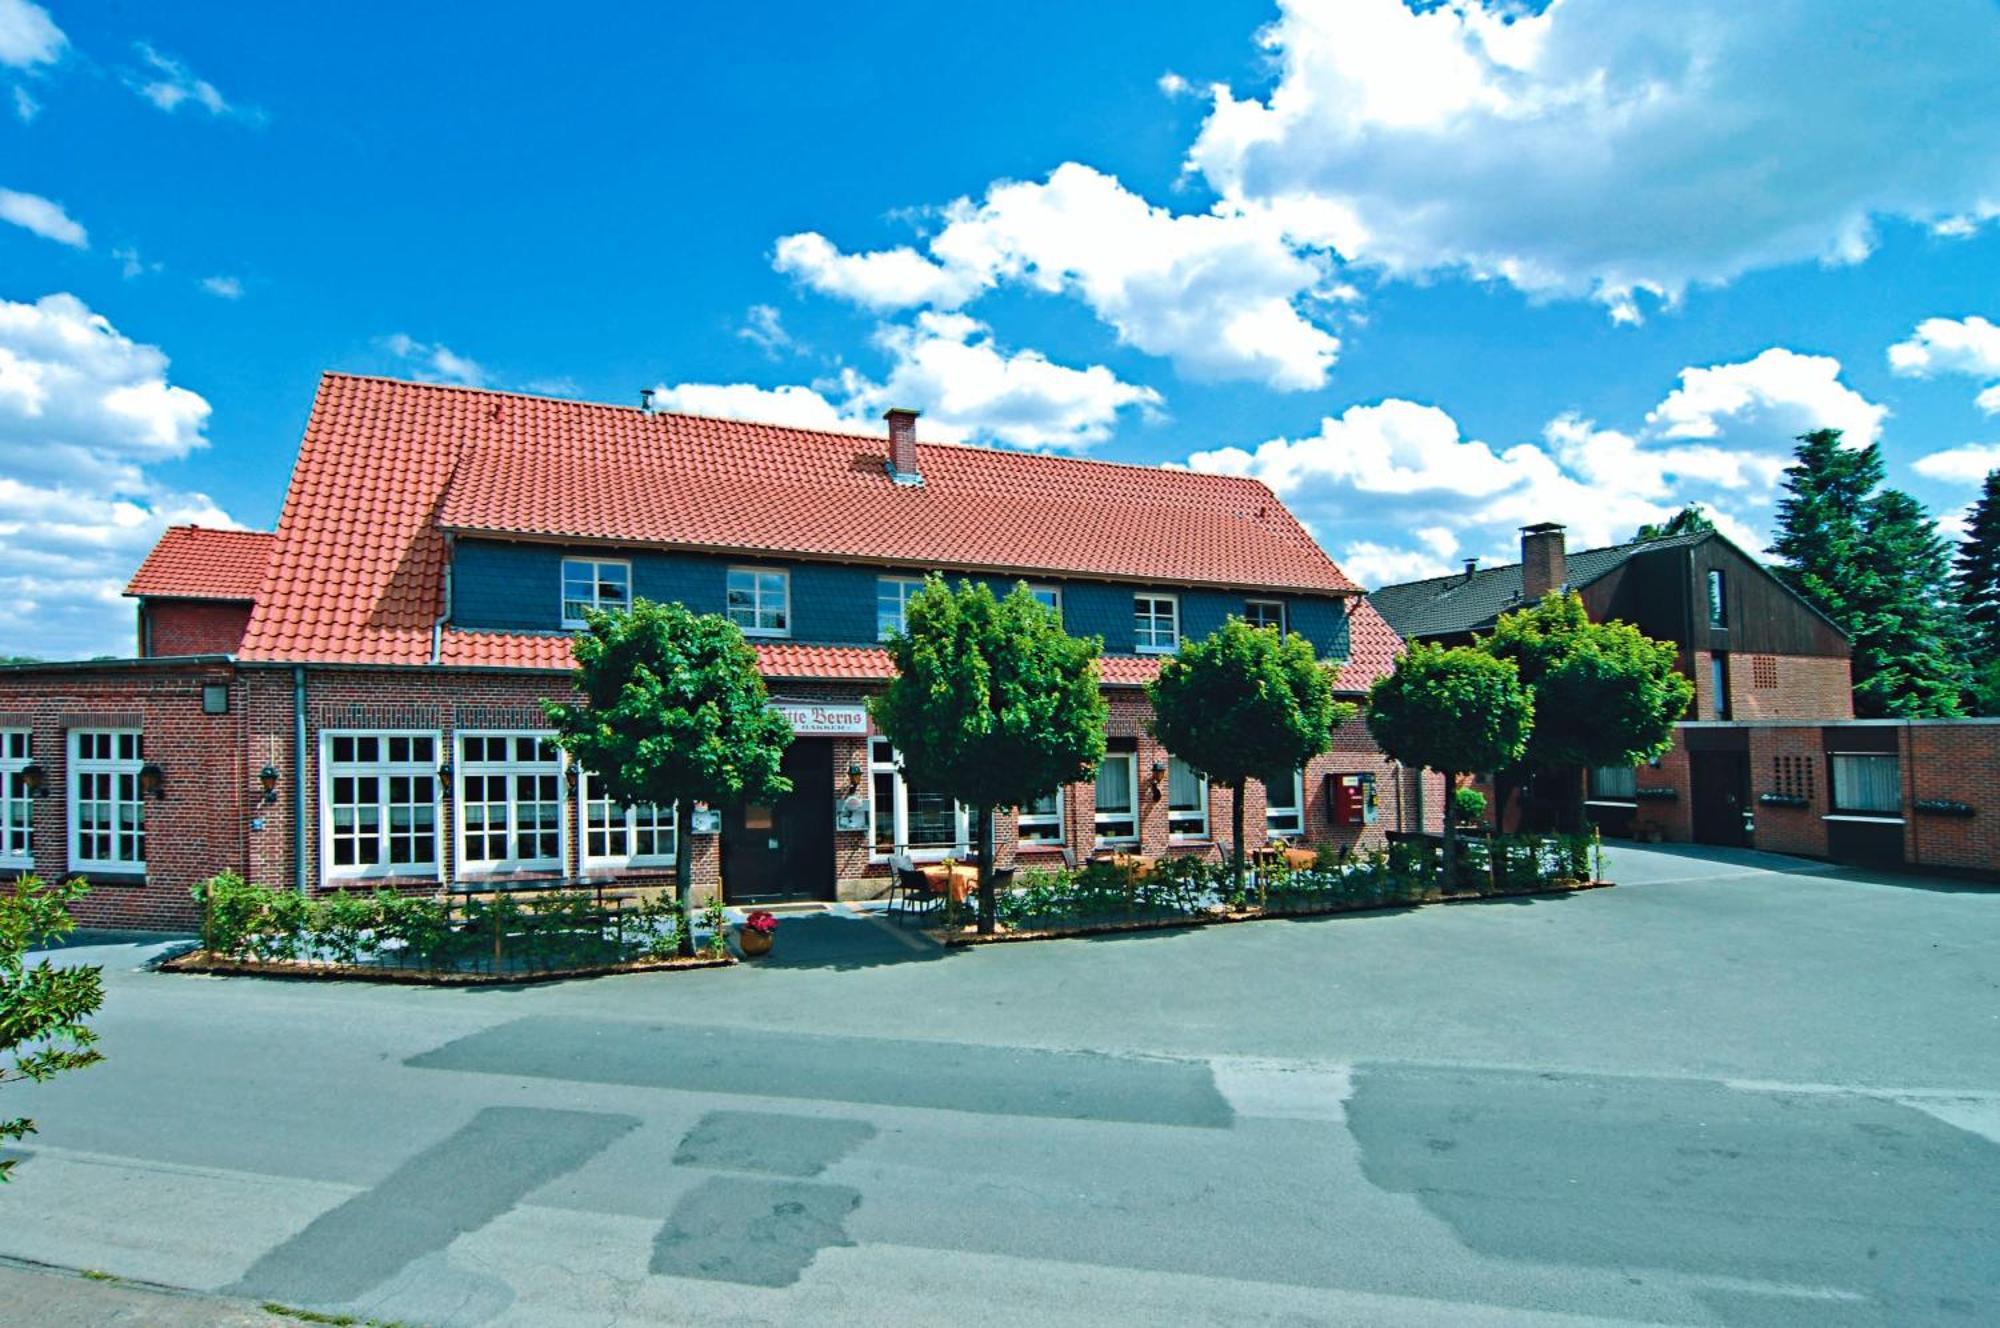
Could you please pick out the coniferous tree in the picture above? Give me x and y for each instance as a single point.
(1976, 579)
(1819, 520)
(1904, 625)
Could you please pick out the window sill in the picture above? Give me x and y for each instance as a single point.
(93, 870)
(1863, 818)
(764, 634)
(925, 854)
(1155, 650)
(424, 873)
(609, 866)
(1611, 802)
(508, 872)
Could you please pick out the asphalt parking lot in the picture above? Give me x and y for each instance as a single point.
(1737, 1089)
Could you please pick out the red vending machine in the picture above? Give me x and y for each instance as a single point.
(1350, 799)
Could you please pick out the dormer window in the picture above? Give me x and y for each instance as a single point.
(760, 601)
(1156, 624)
(594, 583)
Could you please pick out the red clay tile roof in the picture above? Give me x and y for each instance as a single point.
(198, 562)
(1373, 651)
(386, 466)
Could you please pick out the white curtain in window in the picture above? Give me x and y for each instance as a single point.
(1868, 783)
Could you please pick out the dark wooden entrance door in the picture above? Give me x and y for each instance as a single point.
(782, 851)
(1721, 797)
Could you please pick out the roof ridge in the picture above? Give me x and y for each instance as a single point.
(1022, 452)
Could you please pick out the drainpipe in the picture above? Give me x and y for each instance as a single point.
(299, 778)
(1916, 854)
(444, 609)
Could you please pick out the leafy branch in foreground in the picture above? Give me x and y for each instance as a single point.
(44, 1008)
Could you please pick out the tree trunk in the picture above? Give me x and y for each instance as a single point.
(987, 924)
(684, 872)
(1449, 872)
(1236, 841)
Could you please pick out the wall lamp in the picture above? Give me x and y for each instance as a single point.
(444, 779)
(1159, 773)
(853, 776)
(152, 782)
(34, 780)
(267, 779)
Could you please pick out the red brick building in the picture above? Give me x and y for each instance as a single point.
(354, 699)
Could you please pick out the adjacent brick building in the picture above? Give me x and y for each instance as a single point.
(354, 699)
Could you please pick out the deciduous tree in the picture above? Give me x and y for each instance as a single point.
(1454, 710)
(44, 1009)
(993, 704)
(1604, 693)
(673, 713)
(1688, 521)
(1245, 703)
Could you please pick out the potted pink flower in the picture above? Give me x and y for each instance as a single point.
(754, 936)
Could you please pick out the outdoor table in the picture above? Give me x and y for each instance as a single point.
(961, 879)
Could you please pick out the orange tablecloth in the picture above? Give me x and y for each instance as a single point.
(962, 880)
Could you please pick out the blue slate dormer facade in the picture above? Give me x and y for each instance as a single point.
(518, 587)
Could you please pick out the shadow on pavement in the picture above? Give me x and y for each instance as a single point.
(839, 939)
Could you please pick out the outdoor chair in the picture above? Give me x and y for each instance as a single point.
(913, 892)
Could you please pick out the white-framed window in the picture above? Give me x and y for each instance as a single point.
(594, 583)
(760, 601)
(1187, 801)
(510, 802)
(892, 602)
(620, 836)
(1265, 613)
(17, 809)
(1041, 819)
(1867, 783)
(1118, 798)
(379, 803)
(107, 815)
(1156, 623)
(1049, 595)
(1718, 598)
(1614, 783)
(1285, 807)
(907, 818)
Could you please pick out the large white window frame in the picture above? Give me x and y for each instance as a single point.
(107, 813)
(1265, 613)
(1868, 784)
(759, 600)
(508, 791)
(390, 770)
(594, 583)
(890, 811)
(1040, 819)
(1187, 802)
(616, 837)
(1156, 623)
(1282, 821)
(892, 603)
(1117, 822)
(17, 809)
(1047, 594)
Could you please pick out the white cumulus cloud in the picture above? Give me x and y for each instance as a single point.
(1601, 147)
(1967, 346)
(1722, 437)
(45, 218)
(1221, 294)
(169, 84)
(948, 366)
(434, 362)
(84, 410)
(28, 36)
(1968, 464)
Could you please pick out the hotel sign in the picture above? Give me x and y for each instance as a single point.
(814, 719)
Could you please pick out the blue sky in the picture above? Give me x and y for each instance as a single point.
(1431, 272)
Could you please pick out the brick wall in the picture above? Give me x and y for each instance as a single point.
(1775, 687)
(193, 626)
(196, 826)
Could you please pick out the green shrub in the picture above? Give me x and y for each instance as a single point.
(1469, 805)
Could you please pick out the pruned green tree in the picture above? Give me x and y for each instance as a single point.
(45, 1008)
(1976, 583)
(1456, 710)
(673, 713)
(1245, 703)
(1690, 520)
(993, 704)
(1604, 693)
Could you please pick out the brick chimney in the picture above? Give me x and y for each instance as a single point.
(1543, 566)
(903, 446)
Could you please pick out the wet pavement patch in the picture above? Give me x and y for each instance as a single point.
(1776, 1207)
(946, 1076)
(781, 1145)
(453, 1187)
(759, 1232)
